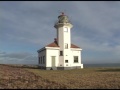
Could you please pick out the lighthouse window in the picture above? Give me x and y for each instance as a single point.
(66, 46)
(66, 61)
(66, 29)
(75, 59)
(61, 53)
(43, 59)
(39, 60)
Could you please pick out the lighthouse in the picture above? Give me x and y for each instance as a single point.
(61, 54)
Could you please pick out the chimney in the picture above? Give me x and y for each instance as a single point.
(55, 40)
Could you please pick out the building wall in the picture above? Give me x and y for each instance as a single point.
(64, 37)
(67, 56)
(67, 37)
(60, 60)
(41, 54)
(76, 53)
(60, 37)
(49, 53)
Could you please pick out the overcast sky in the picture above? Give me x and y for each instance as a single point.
(26, 26)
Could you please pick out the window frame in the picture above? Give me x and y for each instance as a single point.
(61, 53)
(66, 60)
(39, 60)
(66, 45)
(43, 59)
(66, 29)
(75, 59)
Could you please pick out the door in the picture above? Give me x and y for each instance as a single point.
(53, 61)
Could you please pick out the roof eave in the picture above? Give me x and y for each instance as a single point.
(52, 47)
(76, 49)
(40, 49)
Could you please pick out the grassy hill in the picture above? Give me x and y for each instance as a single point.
(30, 77)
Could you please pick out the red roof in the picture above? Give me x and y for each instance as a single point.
(54, 44)
(74, 46)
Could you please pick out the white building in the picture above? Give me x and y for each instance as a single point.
(60, 54)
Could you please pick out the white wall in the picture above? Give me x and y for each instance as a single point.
(60, 37)
(52, 52)
(64, 37)
(67, 36)
(60, 60)
(76, 53)
(67, 56)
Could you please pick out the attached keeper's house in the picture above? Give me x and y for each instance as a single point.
(61, 54)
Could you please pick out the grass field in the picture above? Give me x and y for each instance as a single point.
(31, 77)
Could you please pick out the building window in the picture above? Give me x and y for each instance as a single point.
(65, 29)
(61, 53)
(66, 46)
(75, 59)
(41, 60)
(66, 61)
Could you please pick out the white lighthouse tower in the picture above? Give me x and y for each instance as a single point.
(61, 54)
